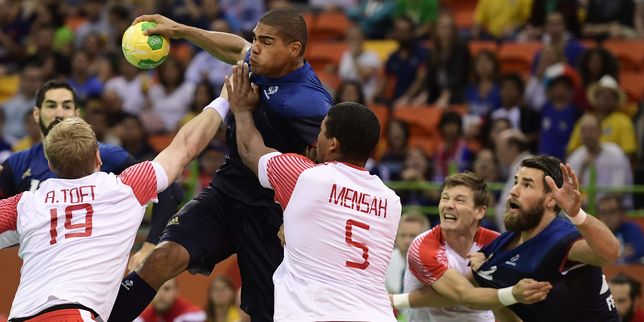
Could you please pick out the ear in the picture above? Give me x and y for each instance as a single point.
(334, 147)
(480, 212)
(36, 114)
(99, 162)
(551, 203)
(76, 111)
(295, 48)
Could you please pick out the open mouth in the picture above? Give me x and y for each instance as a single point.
(513, 205)
(449, 217)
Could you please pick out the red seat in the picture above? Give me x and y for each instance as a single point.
(630, 54)
(633, 85)
(322, 54)
(478, 45)
(423, 126)
(517, 57)
(330, 25)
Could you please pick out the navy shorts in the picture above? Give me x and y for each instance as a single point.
(214, 226)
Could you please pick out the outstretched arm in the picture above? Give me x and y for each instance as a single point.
(244, 98)
(599, 245)
(193, 137)
(225, 46)
(453, 286)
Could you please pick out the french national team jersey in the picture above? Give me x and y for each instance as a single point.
(340, 223)
(75, 237)
(579, 291)
(288, 116)
(428, 258)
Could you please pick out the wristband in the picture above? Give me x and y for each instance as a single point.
(506, 297)
(579, 219)
(220, 105)
(401, 301)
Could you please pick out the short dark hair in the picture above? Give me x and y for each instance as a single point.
(451, 118)
(356, 127)
(290, 25)
(54, 84)
(636, 286)
(550, 167)
(515, 79)
(472, 181)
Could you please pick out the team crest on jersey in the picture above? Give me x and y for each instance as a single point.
(271, 90)
(173, 221)
(513, 260)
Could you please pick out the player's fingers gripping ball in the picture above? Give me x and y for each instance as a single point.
(145, 52)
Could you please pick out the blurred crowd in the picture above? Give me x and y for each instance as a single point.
(442, 75)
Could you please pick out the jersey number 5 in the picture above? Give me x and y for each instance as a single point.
(69, 214)
(365, 249)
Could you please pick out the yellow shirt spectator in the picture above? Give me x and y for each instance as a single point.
(500, 17)
(616, 128)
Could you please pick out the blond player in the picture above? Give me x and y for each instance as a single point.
(340, 222)
(76, 232)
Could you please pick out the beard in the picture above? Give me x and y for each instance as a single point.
(45, 129)
(525, 219)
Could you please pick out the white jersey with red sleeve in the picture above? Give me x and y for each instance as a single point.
(428, 258)
(340, 223)
(75, 237)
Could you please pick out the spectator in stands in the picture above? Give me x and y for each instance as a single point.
(5, 147)
(95, 21)
(397, 144)
(33, 133)
(593, 65)
(486, 167)
(209, 161)
(332, 5)
(535, 92)
(443, 80)
(134, 139)
(130, 85)
(557, 34)
(202, 13)
(610, 210)
(360, 64)
(221, 301)
(171, 98)
(417, 169)
(374, 17)
(638, 18)
(404, 63)
(205, 66)
(53, 63)
(453, 155)
(423, 13)
(559, 113)
(566, 20)
(14, 28)
(119, 19)
(167, 306)
(247, 12)
(85, 84)
(606, 97)
(483, 93)
(512, 108)
(609, 19)
(602, 164)
(500, 19)
(626, 292)
(349, 91)
(21, 103)
(411, 225)
(97, 117)
(511, 148)
(204, 94)
(492, 129)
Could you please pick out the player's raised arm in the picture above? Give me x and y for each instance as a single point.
(599, 246)
(226, 47)
(453, 288)
(244, 98)
(193, 137)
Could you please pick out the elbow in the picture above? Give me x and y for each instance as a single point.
(613, 255)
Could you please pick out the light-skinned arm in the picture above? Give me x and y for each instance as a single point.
(225, 46)
(599, 246)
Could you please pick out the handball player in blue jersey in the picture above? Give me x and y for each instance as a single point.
(27, 169)
(235, 214)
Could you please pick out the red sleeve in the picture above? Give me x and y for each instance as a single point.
(426, 257)
(142, 178)
(485, 236)
(283, 171)
(9, 213)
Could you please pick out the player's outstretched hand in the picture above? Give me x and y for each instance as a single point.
(529, 291)
(476, 260)
(568, 196)
(165, 26)
(243, 95)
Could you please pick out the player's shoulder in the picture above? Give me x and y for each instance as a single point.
(486, 236)
(306, 101)
(109, 148)
(430, 238)
(22, 159)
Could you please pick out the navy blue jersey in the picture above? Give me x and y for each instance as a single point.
(25, 170)
(580, 291)
(289, 115)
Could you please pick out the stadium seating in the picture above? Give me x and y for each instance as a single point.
(423, 126)
(478, 45)
(633, 85)
(517, 57)
(323, 54)
(630, 54)
(330, 25)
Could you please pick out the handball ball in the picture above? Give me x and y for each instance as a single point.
(145, 52)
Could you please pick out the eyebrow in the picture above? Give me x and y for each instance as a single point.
(52, 101)
(516, 178)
